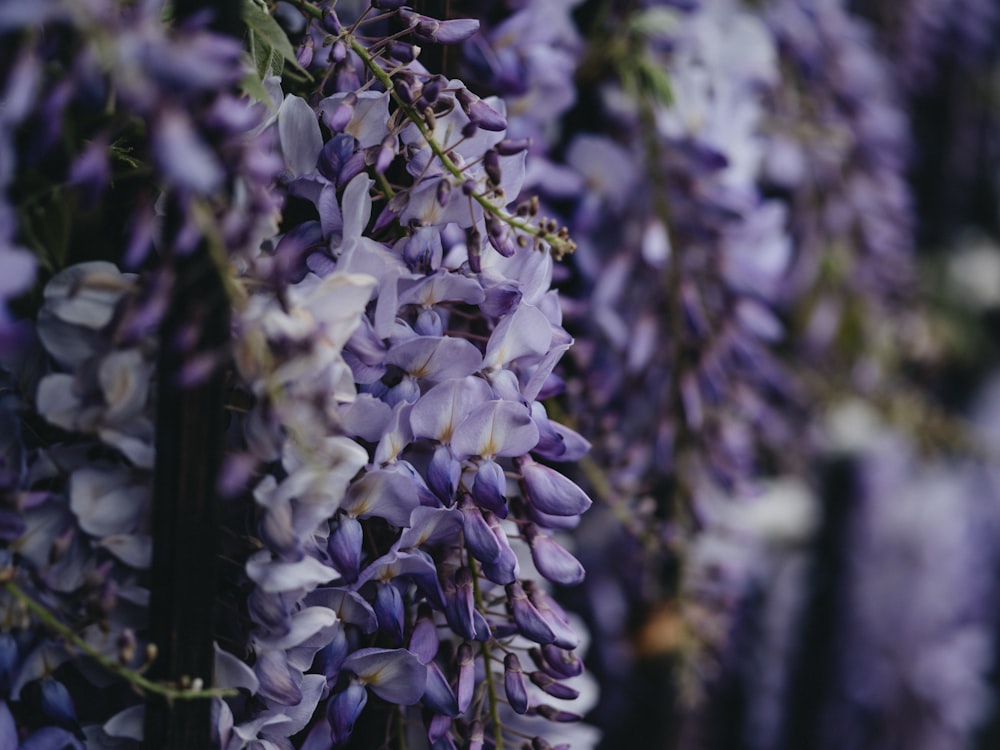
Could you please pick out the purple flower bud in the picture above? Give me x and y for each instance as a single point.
(465, 604)
(470, 129)
(553, 687)
(501, 299)
(491, 164)
(386, 153)
(354, 166)
(345, 75)
(427, 29)
(500, 236)
(389, 610)
(512, 146)
(551, 492)
(489, 488)
(475, 248)
(555, 714)
(552, 561)
(339, 51)
(403, 88)
(529, 620)
(466, 676)
(438, 695)
(481, 113)
(429, 323)
(479, 536)
(432, 89)
(514, 685)
(344, 546)
(339, 117)
(424, 641)
(304, 54)
(553, 615)
(343, 709)
(505, 568)
(402, 52)
(443, 192)
(438, 731)
(559, 662)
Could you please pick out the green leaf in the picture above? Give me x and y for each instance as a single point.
(268, 42)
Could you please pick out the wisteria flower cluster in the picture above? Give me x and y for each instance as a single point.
(530, 373)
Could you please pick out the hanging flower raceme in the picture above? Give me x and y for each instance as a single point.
(392, 371)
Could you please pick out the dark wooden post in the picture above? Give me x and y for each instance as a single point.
(189, 443)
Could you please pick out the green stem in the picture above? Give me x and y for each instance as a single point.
(559, 243)
(133, 677)
(487, 654)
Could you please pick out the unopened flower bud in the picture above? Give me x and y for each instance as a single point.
(514, 685)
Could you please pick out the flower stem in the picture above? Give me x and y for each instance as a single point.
(135, 678)
(487, 654)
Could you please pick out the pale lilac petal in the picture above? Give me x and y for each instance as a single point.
(429, 525)
(278, 681)
(230, 672)
(524, 332)
(126, 724)
(356, 206)
(436, 358)
(181, 154)
(299, 135)
(436, 414)
(496, 428)
(384, 494)
(276, 576)
(105, 501)
(443, 287)
(395, 675)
